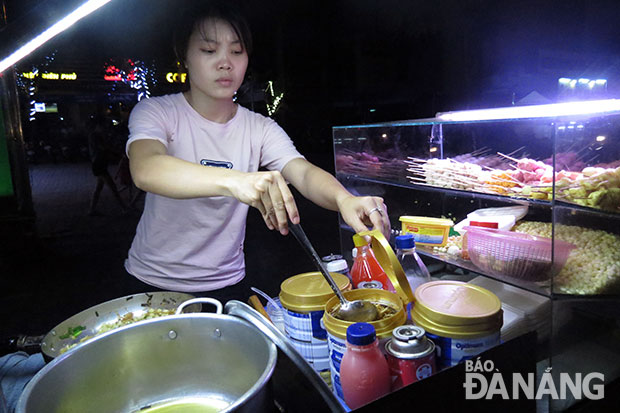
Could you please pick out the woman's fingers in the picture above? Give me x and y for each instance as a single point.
(277, 211)
(275, 202)
(362, 213)
(378, 216)
(268, 215)
(290, 207)
(283, 203)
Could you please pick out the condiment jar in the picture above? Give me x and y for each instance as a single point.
(303, 298)
(462, 319)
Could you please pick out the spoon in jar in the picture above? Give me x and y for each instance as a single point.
(358, 310)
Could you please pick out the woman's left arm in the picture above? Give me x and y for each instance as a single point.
(360, 212)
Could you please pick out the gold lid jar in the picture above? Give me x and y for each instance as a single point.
(309, 291)
(456, 309)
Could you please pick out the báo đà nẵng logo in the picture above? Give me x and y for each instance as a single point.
(484, 381)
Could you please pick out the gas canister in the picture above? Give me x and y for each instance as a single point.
(410, 355)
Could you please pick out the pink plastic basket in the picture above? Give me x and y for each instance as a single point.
(512, 254)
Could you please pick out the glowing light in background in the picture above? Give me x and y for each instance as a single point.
(534, 111)
(57, 28)
(276, 100)
(135, 73)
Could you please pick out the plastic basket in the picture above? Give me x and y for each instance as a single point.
(512, 254)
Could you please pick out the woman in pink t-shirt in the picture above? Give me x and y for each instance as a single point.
(198, 154)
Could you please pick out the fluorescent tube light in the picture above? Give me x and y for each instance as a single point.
(534, 111)
(63, 24)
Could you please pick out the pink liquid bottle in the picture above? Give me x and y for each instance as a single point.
(364, 371)
(366, 267)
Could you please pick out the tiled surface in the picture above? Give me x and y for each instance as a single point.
(77, 260)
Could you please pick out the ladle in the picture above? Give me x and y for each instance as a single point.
(358, 310)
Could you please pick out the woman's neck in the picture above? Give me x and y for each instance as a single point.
(219, 111)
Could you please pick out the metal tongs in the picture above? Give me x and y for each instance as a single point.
(356, 311)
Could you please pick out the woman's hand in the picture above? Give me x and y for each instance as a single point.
(361, 212)
(269, 193)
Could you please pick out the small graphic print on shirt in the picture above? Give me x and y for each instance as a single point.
(217, 164)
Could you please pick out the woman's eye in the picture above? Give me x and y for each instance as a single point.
(208, 51)
(237, 52)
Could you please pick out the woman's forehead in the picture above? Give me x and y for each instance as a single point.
(214, 29)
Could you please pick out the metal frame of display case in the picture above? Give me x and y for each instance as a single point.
(584, 330)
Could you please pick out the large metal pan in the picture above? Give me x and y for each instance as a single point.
(222, 360)
(92, 319)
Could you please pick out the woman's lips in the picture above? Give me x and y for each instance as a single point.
(224, 82)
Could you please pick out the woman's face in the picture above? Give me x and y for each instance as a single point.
(216, 60)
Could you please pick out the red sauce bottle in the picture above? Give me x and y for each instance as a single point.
(366, 267)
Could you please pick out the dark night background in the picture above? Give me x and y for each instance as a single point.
(340, 62)
(336, 60)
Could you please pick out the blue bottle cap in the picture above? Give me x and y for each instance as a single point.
(361, 334)
(405, 241)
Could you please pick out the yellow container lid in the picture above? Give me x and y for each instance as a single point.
(426, 220)
(359, 241)
(455, 308)
(309, 291)
(389, 262)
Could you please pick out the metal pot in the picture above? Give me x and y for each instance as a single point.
(221, 361)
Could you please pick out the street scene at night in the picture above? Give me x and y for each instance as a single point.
(454, 165)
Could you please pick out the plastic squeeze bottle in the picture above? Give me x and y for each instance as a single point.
(366, 267)
(364, 371)
(413, 266)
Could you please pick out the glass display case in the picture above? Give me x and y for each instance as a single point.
(561, 162)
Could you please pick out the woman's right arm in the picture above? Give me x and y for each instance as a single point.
(153, 170)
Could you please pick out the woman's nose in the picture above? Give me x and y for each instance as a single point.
(224, 64)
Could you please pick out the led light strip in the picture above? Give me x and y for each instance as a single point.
(57, 28)
(534, 111)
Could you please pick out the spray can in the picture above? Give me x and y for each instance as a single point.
(410, 355)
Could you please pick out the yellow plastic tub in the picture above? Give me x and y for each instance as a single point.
(432, 232)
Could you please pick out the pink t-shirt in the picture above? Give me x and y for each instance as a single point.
(197, 244)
